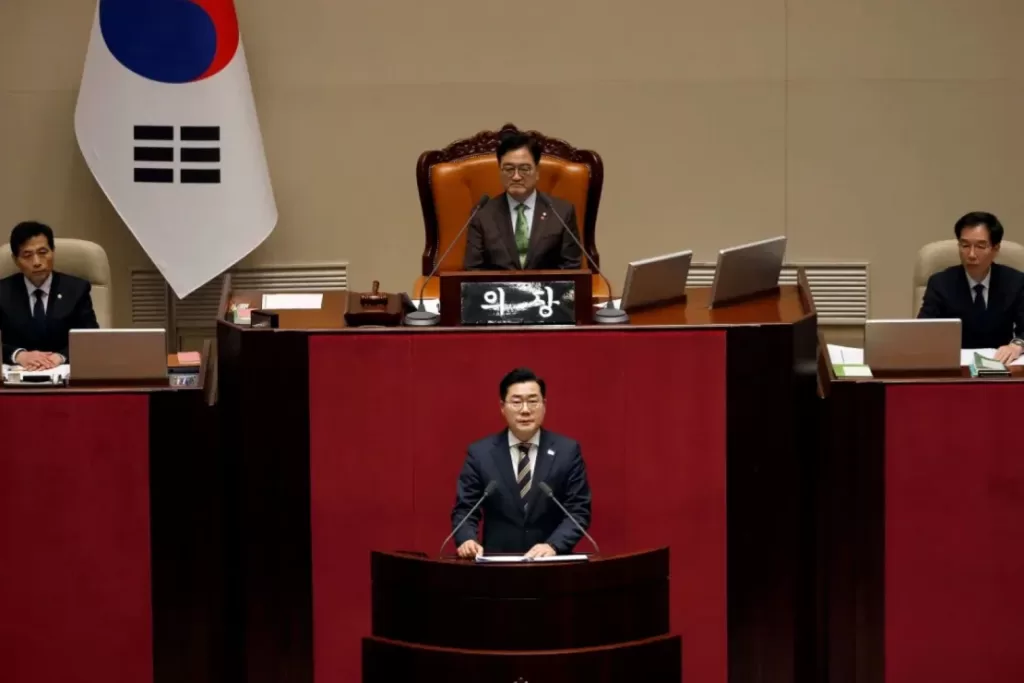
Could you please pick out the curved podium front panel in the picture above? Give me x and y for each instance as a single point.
(528, 606)
(524, 620)
(655, 660)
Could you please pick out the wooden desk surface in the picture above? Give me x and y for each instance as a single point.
(827, 375)
(112, 388)
(785, 306)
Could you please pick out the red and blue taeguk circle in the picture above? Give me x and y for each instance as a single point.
(171, 41)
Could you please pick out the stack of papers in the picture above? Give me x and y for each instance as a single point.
(848, 361)
(15, 374)
(292, 302)
(986, 367)
(845, 355)
(967, 356)
(513, 559)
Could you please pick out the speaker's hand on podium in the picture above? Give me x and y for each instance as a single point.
(469, 550)
(540, 550)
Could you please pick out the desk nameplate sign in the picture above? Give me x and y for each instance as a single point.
(550, 302)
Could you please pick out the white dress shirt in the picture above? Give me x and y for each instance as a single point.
(513, 449)
(530, 202)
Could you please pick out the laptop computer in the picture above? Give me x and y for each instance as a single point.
(124, 355)
(914, 344)
(656, 280)
(747, 269)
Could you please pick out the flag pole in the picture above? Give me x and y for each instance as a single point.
(172, 322)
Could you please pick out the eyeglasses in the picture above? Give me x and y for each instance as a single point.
(524, 170)
(979, 246)
(518, 403)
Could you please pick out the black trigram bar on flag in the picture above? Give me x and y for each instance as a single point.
(160, 133)
(200, 155)
(188, 154)
(154, 175)
(200, 133)
(200, 175)
(153, 153)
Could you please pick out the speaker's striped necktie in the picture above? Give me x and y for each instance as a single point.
(523, 470)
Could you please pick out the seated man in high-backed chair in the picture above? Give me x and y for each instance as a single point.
(516, 231)
(987, 297)
(40, 306)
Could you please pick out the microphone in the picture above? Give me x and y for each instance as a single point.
(551, 494)
(609, 315)
(491, 485)
(421, 317)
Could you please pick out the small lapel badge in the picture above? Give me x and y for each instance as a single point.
(550, 452)
(543, 215)
(59, 295)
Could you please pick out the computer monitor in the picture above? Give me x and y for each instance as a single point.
(914, 344)
(656, 280)
(747, 270)
(124, 355)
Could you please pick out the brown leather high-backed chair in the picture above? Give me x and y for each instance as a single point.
(452, 180)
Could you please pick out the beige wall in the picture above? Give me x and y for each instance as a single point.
(860, 128)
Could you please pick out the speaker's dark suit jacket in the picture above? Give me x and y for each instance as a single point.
(949, 295)
(68, 307)
(509, 525)
(491, 238)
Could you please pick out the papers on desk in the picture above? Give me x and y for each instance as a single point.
(967, 356)
(852, 370)
(849, 355)
(848, 361)
(515, 559)
(845, 355)
(15, 374)
(293, 302)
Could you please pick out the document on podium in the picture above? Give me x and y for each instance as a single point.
(514, 559)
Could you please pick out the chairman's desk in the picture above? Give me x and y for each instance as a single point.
(922, 537)
(111, 537)
(693, 426)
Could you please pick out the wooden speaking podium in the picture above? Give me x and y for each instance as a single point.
(448, 620)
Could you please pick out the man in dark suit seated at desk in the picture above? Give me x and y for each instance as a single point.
(516, 231)
(987, 297)
(518, 517)
(39, 306)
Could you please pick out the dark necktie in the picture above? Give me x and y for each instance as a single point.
(979, 298)
(522, 238)
(38, 312)
(523, 469)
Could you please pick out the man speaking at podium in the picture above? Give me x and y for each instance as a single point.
(517, 230)
(518, 517)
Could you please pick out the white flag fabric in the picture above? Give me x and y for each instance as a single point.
(167, 123)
